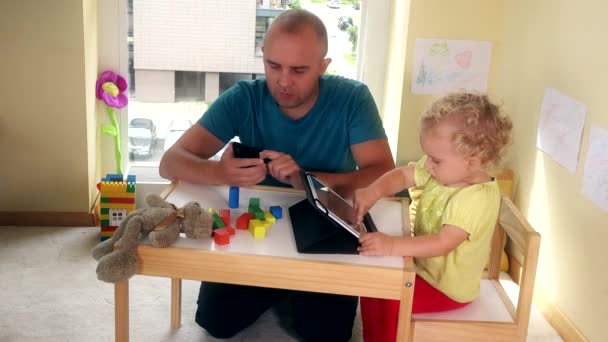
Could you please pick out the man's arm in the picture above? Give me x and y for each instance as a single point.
(373, 158)
(188, 160)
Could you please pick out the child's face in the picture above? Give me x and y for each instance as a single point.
(445, 163)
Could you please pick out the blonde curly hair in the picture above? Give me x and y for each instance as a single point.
(483, 131)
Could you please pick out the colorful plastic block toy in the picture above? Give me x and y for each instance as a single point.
(233, 197)
(221, 236)
(276, 211)
(242, 222)
(117, 200)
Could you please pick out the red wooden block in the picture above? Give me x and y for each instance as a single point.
(242, 222)
(226, 220)
(221, 236)
(224, 212)
(230, 229)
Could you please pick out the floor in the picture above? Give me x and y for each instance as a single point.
(49, 292)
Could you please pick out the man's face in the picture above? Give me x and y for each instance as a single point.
(293, 63)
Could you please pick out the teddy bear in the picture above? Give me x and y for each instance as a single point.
(161, 222)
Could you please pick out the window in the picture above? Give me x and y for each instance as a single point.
(117, 216)
(178, 57)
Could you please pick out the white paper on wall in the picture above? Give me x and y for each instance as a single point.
(595, 182)
(560, 128)
(441, 66)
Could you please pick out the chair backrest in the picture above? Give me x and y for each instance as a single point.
(524, 243)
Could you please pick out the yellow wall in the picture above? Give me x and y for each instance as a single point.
(462, 19)
(46, 105)
(560, 44)
(536, 44)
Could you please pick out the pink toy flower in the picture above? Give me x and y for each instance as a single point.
(111, 88)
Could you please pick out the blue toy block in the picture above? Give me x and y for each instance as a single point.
(233, 197)
(276, 211)
(113, 177)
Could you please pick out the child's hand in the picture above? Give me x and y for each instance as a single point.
(363, 199)
(376, 244)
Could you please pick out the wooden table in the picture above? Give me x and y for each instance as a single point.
(249, 261)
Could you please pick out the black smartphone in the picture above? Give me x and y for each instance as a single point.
(244, 151)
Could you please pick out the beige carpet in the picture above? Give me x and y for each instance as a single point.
(49, 292)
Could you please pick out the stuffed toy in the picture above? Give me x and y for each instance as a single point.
(161, 222)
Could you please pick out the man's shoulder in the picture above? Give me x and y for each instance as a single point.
(337, 80)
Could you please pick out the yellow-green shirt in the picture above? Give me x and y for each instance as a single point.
(474, 209)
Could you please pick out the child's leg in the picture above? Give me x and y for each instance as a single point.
(379, 319)
(429, 299)
(380, 316)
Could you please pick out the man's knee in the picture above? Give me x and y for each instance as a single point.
(320, 317)
(216, 328)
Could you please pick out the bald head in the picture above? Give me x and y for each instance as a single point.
(297, 20)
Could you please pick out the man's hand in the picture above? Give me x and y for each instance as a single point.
(376, 244)
(363, 200)
(283, 168)
(241, 171)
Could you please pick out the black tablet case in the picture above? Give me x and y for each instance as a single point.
(317, 233)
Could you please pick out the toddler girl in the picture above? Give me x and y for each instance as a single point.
(463, 136)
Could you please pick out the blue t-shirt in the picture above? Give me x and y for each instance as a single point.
(344, 114)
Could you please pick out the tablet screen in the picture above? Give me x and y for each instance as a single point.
(336, 207)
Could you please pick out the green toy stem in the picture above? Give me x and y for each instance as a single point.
(117, 153)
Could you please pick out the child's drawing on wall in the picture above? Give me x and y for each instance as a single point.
(441, 66)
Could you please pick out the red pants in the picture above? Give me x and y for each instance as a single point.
(380, 316)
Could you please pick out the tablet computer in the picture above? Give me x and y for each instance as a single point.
(335, 207)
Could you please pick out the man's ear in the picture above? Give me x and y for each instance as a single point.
(325, 64)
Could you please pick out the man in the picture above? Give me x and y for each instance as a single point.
(301, 119)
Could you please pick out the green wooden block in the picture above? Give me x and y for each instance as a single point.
(217, 221)
(254, 201)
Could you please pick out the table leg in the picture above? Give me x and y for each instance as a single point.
(121, 311)
(404, 326)
(176, 303)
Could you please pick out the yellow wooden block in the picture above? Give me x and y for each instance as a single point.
(267, 224)
(258, 232)
(256, 223)
(212, 211)
(269, 217)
